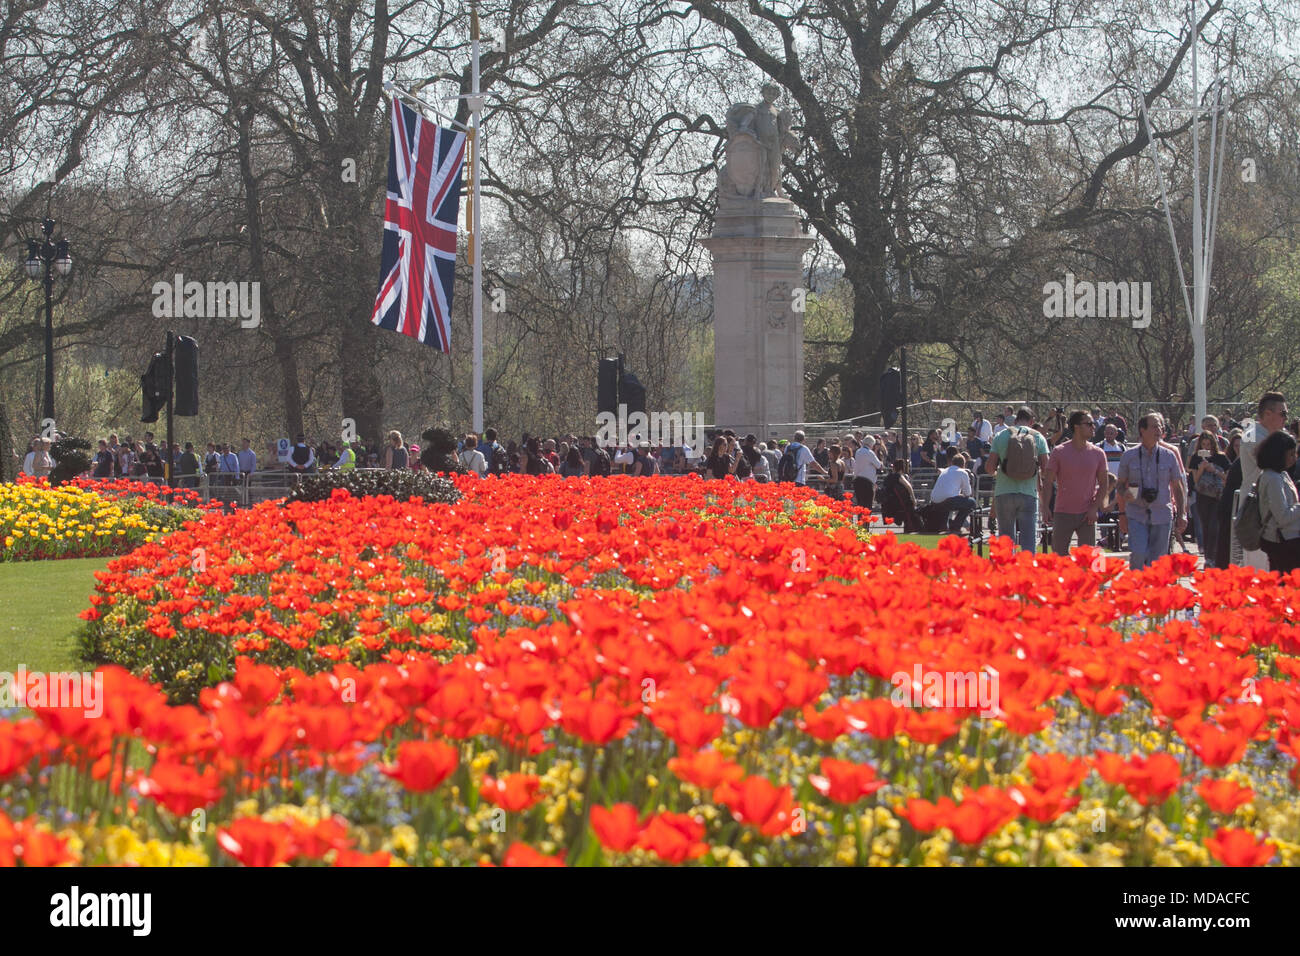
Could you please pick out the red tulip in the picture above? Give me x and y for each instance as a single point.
(422, 765)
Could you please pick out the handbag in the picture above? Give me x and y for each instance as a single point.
(1210, 484)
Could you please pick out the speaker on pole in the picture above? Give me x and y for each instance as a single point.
(891, 395)
(607, 386)
(632, 394)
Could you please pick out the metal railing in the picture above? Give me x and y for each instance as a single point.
(239, 489)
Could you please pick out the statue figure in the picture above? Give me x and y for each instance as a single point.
(757, 136)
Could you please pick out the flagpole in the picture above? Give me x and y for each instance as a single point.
(1198, 236)
(476, 109)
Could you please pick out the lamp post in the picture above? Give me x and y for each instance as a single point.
(50, 256)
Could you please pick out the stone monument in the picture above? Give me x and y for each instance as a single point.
(757, 248)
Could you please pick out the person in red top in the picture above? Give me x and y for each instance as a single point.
(1077, 468)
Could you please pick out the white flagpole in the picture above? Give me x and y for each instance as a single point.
(476, 108)
(1198, 235)
(1203, 225)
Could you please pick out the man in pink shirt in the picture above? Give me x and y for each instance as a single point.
(1077, 468)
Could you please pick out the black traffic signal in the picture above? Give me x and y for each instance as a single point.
(187, 376)
(891, 395)
(155, 385)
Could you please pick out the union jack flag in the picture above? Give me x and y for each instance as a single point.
(419, 262)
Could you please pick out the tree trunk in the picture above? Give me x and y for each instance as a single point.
(7, 469)
(291, 391)
(870, 346)
(363, 395)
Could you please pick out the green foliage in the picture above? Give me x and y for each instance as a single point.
(70, 459)
(401, 485)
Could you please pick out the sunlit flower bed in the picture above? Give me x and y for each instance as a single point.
(634, 671)
(86, 518)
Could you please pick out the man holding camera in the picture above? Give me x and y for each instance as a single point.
(1151, 485)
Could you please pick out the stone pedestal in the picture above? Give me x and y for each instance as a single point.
(757, 248)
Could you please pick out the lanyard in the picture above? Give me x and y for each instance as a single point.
(1156, 476)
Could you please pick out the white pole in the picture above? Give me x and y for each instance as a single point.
(476, 107)
(1198, 235)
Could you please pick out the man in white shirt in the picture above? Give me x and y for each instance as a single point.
(1270, 416)
(866, 466)
(999, 425)
(803, 458)
(953, 495)
(247, 458)
(229, 465)
(983, 430)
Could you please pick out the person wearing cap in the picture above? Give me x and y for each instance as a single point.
(413, 458)
(303, 457)
(347, 458)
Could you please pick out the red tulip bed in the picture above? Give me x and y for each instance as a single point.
(645, 671)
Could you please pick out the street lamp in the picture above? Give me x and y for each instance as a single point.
(43, 260)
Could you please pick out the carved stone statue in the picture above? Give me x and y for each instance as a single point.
(756, 138)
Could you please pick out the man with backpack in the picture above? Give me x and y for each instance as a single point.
(1151, 486)
(1019, 459)
(493, 454)
(597, 458)
(796, 460)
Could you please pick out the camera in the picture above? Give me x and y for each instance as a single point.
(1149, 495)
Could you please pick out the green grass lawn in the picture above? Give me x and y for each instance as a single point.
(930, 541)
(40, 601)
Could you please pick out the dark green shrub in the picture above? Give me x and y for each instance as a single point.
(401, 485)
(70, 459)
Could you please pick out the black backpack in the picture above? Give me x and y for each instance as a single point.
(496, 459)
(743, 468)
(600, 464)
(788, 469)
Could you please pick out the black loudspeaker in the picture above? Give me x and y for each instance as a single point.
(187, 376)
(155, 385)
(607, 386)
(891, 395)
(632, 394)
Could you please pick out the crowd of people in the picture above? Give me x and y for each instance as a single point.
(223, 462)
(1076, 470)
